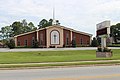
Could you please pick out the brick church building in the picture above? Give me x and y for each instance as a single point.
(53, 36)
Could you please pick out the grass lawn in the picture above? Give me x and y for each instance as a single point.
(52, 56)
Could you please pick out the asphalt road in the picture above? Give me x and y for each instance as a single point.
(73, 73)
(49, 49)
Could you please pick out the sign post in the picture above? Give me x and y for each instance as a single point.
(103, 31)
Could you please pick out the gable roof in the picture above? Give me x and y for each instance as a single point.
(63, 27)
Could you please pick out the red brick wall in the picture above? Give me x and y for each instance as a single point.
(78, 37)
(65, 32)
(27, 37)
(86, 40)
(43, 36)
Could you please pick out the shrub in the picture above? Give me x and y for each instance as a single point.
(99, 49)
(94, 42)
(73, 43)
(11, 43)
(36, 44)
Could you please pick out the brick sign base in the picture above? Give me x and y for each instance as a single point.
(104, 54)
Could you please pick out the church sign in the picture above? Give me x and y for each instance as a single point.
(103, 28)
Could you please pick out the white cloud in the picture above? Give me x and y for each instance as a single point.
(78, 14)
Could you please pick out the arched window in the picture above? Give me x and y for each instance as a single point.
(55, 37)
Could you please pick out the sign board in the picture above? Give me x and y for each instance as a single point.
(103, 28)
(104, 24)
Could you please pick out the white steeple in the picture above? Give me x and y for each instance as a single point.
(54, 21)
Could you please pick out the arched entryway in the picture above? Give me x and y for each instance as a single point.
(54, 37)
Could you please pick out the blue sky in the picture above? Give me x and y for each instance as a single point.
(82, 15)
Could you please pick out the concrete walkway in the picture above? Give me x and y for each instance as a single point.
(60, 62)
(49, 49)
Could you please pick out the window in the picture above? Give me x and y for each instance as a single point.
(88, 42)
(25, 43)
(18, 44)
(67, 39)
(74, 37)
(81, 41)
(41, 39)
(54, 37)
(33, 41)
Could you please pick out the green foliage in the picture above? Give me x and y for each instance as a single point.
(16, 28)
(44, 23)
(11, 43)
(20, 27)
(94, 42)
(31, 26)
(5, 32)
(36, 45)
(115, 32)
(73, 43)
(99, 49)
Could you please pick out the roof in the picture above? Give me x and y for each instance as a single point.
(63, 27)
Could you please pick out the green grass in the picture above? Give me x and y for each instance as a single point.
(52, 56)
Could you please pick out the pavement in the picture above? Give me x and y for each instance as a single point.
(69, 73)
(59, 63)
(49, 49)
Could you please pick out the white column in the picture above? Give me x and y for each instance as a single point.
(37, 37)
(103, 42)
(15, 41)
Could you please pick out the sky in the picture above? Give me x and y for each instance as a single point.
(81, 15)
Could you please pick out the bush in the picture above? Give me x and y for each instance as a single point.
(106, 50)
(99, 49)
(94, 42)
(73, 43)
(11, 43)
(36, 44)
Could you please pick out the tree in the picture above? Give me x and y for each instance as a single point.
(57, 22)
(11, 43)
(0, 35)
(31, 26)
(25, 27)
(115, 32)
(94, 42)
(24, 22)
(43, 23)
(17, 28)
(5, 32)
(50, 22)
